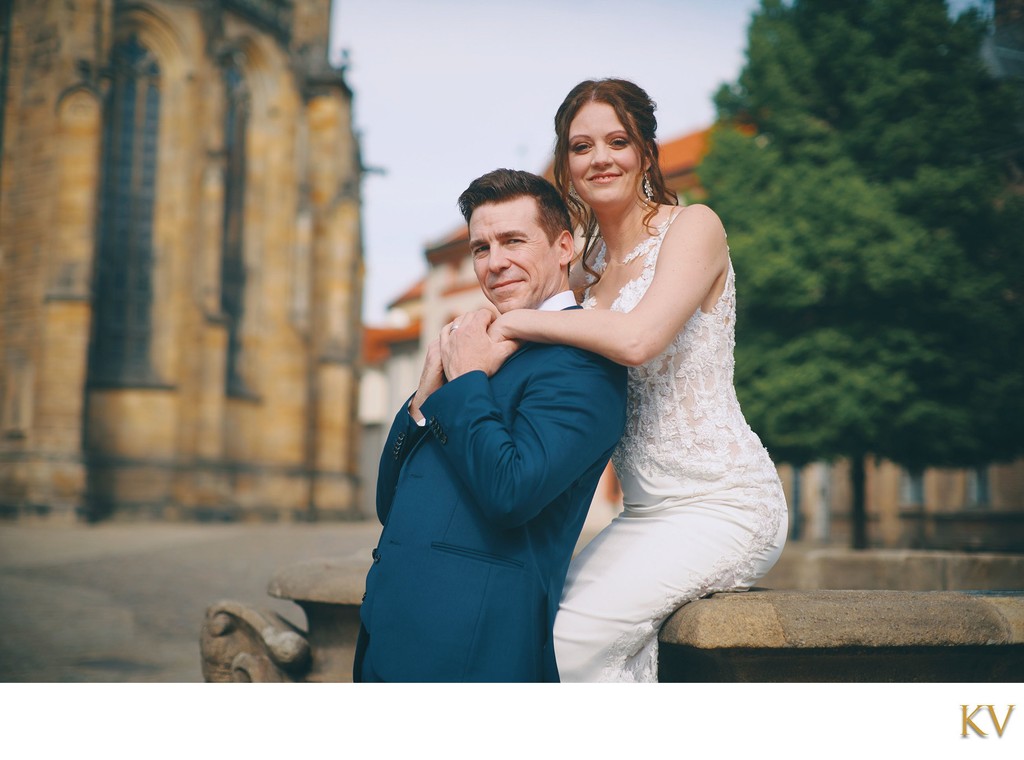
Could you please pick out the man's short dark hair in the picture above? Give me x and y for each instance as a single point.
(503, 185)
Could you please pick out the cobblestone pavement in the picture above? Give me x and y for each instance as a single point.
(124, 602)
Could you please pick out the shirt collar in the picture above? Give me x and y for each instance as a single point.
(559, 301)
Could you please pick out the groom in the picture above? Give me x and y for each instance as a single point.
(488, 472)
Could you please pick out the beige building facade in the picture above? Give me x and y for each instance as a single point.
(180, 262)
(980, 509)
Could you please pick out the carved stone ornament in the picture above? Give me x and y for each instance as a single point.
(240, 644)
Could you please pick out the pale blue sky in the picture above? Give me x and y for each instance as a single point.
(449, 89)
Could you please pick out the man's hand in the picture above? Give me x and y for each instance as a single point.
(431, 379)
(465, 346)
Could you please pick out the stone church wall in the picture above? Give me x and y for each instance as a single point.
(180, 438)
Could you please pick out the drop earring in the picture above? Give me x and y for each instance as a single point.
(648, 190)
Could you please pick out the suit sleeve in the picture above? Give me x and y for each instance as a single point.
(571, 415)
(401, 438)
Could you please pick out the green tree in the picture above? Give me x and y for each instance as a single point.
(860, 166)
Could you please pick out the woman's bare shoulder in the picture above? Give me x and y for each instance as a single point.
(698, 217)
(697, 227)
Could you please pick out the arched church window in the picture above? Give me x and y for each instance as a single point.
(236, 122)
(123, 294)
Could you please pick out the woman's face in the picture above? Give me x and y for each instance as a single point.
(604, 165)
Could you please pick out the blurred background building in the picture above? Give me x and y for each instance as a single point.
(180, 261)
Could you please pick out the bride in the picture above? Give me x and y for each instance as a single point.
(703, 508)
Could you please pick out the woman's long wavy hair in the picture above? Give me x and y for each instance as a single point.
(635, 110)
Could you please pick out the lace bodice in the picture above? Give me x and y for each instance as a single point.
(685, 434)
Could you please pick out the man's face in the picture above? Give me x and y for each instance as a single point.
(518, 268)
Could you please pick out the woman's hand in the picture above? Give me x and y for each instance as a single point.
(504, 327)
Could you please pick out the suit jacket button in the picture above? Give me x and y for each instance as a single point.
(375, 554)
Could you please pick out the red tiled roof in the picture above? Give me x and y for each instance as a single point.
(459, 233)
(377, 341)
(452, 248)
(460, 288)
(414, 293)
(683, 154)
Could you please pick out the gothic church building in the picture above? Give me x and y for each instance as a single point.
(180, 262)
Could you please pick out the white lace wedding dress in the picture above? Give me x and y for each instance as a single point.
(704, 510)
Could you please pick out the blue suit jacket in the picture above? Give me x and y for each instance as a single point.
(481, 510)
